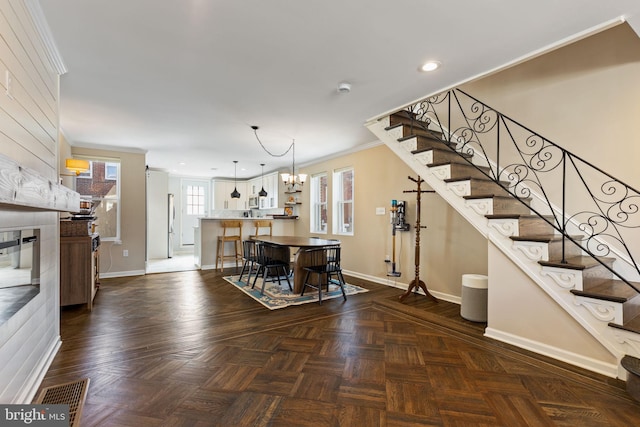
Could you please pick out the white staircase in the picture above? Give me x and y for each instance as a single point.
(526, 239)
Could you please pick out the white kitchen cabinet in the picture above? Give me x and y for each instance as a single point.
(253, 186)
(222, 195)
(271, 187)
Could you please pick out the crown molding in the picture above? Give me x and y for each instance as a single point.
(101, 147)
(43, 30)
(335, 155)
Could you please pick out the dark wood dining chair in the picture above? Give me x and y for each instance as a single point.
(250, 259)
(270, 266)
(324, 267)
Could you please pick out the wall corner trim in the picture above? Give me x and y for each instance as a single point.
(31, 386)
(634, 22)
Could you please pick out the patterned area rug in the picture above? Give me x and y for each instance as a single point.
(279, 297)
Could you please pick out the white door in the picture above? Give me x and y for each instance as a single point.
(195, 202)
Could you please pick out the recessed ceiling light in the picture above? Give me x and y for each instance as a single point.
(182, 163)
(344, 87)
(430, 66)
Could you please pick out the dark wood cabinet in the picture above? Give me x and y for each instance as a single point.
(78, 270)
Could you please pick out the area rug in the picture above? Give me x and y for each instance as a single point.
(276, 296)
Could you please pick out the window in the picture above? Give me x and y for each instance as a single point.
(343, 185)
(88, 174)
(319, 203)
(101, 184)
(111, 171)
(195, 200)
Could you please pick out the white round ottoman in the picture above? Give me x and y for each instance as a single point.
(474, 297)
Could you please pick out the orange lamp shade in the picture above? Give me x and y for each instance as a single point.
(77, 165)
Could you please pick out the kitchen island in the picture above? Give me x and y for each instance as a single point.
(208, 229)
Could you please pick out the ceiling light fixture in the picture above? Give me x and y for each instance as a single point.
(344, 87)
(291, 179)
(235, 194)
(430, 66)
(263, 192)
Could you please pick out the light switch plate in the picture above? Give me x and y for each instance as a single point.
(380, 211)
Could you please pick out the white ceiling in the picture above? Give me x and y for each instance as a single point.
(184, 80)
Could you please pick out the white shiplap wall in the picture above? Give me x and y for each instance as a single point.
(28, 135)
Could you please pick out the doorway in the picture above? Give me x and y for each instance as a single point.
(195, 202)
(159, 186)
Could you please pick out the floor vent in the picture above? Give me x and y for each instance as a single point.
(72, 394)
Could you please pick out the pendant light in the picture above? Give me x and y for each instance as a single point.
(262, 192)
(235, 194)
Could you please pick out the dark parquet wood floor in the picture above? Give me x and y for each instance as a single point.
(187, 349)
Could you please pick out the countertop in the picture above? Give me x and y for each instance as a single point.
(251, 218)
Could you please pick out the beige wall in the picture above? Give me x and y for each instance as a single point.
(64, 152)
(523, 314)
(449, 246)
(132, 216)
(584, 97)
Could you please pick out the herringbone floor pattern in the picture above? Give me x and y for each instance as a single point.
(187, 349)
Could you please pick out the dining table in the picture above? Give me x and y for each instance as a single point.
(285, 243)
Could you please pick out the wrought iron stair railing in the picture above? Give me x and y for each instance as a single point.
(570, 193)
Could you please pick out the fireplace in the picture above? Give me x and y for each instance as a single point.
(19, 270)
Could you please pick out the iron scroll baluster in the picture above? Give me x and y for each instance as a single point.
(592, 203)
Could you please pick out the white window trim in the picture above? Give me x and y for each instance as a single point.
(314, 209)
(338, 202)
(118, 199)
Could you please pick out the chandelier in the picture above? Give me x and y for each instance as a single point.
(291, 179)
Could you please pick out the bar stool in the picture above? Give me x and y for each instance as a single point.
(231, 232)
(261, 225)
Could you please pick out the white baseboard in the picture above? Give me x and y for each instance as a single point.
(610, 370)
(30, 388)
(392, 282)
(122, 274)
